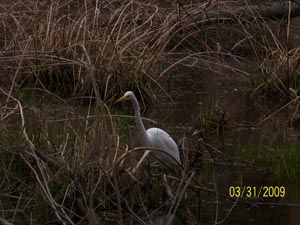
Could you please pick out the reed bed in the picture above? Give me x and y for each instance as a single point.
(63, 160)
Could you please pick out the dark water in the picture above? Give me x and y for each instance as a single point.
(191, 91)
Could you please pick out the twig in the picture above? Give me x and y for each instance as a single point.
(5, 222)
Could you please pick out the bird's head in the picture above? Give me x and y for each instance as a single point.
(129, 95)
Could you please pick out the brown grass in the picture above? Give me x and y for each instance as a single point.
(63, 158)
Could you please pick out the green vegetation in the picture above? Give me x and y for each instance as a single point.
(285, 161)
(281, 159)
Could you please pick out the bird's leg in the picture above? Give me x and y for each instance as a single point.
(146, 153)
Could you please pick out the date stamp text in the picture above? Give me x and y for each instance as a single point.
(256, 191)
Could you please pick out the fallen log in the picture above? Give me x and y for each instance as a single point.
(224, 11)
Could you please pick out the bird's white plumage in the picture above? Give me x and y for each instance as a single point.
(154, 137)
(162, 140)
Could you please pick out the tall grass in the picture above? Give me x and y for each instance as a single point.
(40, 43)
(62, 163)
(275, 53)
(62, 62)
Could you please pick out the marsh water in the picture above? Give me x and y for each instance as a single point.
(264, 153)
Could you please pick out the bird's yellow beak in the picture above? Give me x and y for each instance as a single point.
(121, 99)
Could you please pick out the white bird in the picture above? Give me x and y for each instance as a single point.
(153, 137)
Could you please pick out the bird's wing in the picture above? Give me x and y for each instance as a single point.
(162, 140)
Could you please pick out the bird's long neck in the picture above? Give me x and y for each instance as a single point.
(139, 123)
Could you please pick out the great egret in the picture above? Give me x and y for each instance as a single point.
(153, 137)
